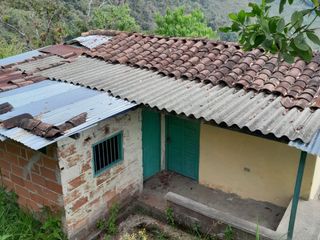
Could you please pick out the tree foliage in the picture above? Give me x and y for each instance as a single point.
(114, 17)
(288, 39)
(8, 49)
(178, 23)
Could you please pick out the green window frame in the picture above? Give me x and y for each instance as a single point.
(107, 153)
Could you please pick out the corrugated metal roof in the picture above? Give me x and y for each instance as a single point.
(245, 109)
(39, 64)
(91, 41)
(55, 103)
(20, 57)
(312, 147)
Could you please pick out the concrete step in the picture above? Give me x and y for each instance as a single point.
(307, 226)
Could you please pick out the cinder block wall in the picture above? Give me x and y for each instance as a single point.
(34, 176)
(87, 198)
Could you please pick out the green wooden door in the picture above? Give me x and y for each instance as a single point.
(182, 146)
(151, 143)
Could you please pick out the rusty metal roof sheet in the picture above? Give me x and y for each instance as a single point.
(54, 103)
(62, 50)
(221, 104)
(215, 62)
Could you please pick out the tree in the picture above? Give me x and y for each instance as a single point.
(116, 17)
(179, 24)
(35, 22)
(272, 33)
(8, 49)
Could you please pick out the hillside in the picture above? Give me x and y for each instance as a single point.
(34, 23)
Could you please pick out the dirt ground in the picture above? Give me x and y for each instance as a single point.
(142, 227)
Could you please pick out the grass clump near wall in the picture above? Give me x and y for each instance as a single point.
(19, 224)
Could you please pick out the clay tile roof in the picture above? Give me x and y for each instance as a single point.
(215, 62)
(18, 74)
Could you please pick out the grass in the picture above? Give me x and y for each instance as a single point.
(18, 224)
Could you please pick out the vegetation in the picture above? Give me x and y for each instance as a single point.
(114, 17)
(17, 224)
(109, 225)
(170, 216)
(30, 24)
(288, 39)
(180, 24)
(228, 233)
(8, 49)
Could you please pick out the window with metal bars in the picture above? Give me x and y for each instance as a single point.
(107, 153)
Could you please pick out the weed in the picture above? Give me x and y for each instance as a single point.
(257, 233)
(196, 230)
(107, 237)
(112, 227)
(101, 224)
(109, 225)
(141, 235)
(18, 224)
(228, 233)
(170, 216)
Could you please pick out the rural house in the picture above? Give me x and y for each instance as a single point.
(96, 121)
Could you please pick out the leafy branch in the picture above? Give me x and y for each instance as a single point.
(289, 40)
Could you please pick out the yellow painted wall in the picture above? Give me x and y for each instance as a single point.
(316, 180)
(251, 167)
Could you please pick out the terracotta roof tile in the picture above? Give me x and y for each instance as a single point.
(215, 62)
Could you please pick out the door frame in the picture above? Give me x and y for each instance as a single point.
(143, 142)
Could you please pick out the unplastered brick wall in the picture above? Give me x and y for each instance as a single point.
(87, 197)
(34, 176)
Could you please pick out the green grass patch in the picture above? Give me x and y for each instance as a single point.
(18, 224)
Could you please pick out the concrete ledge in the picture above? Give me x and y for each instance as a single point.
(189, 212)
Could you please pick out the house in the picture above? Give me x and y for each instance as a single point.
(84, 124)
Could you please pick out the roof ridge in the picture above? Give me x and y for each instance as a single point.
(112, 33)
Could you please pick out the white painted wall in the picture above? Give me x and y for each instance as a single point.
(86, 197)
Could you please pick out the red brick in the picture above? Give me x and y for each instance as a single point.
(13, 148)
(2, 145)
(68, 151)
(50, 195)
(5, 165)
(38, 199)
(48, 173)
(17, 180)
(33, 205)
(35, 169)
(5, 173)
(7, 183)
(76, 182)
(33, 187)
(11, 158)
(109, 195)
(55, 187)
(49, 163)
(79, 203)
(18, 171)
(23, 153)
(38, 179)
(22, 201)
(22, 162)
(94, 202)
(21, 191)
(86, 167)
(72, 196)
